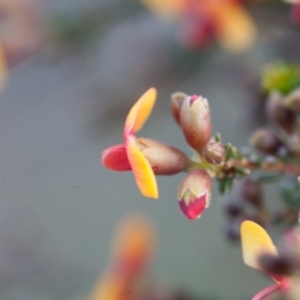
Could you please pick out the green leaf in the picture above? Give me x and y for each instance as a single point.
(225, 185)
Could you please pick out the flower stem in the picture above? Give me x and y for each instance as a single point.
(266, 292)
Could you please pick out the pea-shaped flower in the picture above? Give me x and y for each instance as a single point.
(144, 157)
(255, 243)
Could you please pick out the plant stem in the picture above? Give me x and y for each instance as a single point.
(277, 166)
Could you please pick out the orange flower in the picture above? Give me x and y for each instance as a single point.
(256, 242)
(231, 23)
(132, 249)
(129, 156)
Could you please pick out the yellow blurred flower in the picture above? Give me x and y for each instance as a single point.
(132, 249)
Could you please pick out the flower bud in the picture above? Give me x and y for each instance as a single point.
(251, 192)
(164, 159)
(265, 141)
(194, 193)
(177, 99)
(292, 101)
(214, 153)
(278, 114)
(195, 121)
(232, 209)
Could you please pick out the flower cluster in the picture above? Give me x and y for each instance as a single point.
(147, 158)
(283, 264)
(201, 21)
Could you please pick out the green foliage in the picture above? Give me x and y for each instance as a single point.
(282, 77)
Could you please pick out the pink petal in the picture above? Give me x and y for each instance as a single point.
(194, 208)
(115, 158)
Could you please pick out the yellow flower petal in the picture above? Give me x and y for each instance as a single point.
(255, 241)
(236, 30)
(110, 286)
(141, 169)
(133, 244)
(140, 112)
(165, 9)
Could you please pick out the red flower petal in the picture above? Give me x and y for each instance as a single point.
(194, 208)
(115, 158)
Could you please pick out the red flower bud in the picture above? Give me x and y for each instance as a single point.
(194, 193)
(195, 121)
(163, 159)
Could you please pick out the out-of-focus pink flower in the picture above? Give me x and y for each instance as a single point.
(256, 242)
(132, 249)
(21, 30)
(227, 20)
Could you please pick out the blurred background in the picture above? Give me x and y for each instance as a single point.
(74, 69)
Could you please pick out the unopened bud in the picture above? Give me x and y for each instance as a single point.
(164, 159)
(214, 153)
(277, 265)
(278, 114)
(292, 101)
(251, 192)
(177, 99)
(232, 209)
(194, 193)
(195, 121)
(265, 141)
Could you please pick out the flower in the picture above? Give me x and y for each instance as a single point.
(209, 18)
(133, 246)
(144, 157)
(194, 193)
(255, 243)
(128, 156)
